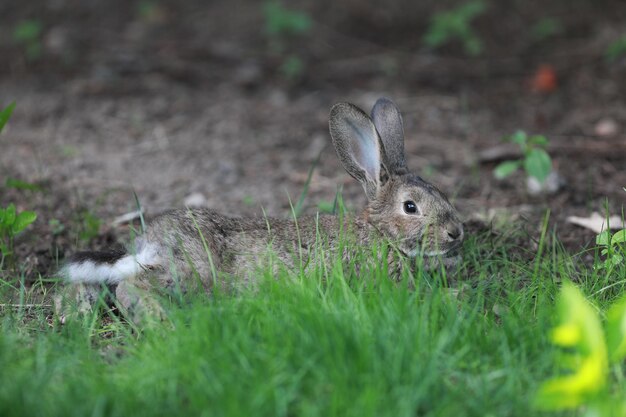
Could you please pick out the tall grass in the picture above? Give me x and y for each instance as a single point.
(324, 342)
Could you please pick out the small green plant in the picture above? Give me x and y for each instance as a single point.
(613, 247)
(68, 151)
(327, 207)
(545, 28)
(150, 11)
(616, 49)
(89, 226)
(27, 33)
(280, 21)
(12, 223)
(535, 160)
(455, 25)
(589, 351)
(5, 115)
(248, 200)
(56, 227)
(292, 67)
(146, 9)
(21, 185)
(282, 26)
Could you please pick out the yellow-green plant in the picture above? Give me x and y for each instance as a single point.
(590, 349)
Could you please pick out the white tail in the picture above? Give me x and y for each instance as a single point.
(110, 267)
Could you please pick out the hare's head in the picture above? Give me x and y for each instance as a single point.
(407, 210)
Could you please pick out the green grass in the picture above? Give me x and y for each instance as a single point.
(320, 343)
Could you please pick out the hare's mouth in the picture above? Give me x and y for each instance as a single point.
(443, 253)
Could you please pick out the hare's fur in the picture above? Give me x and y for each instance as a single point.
(209, 246)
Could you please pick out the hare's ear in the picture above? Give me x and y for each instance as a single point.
(388, 122)
(358, 145)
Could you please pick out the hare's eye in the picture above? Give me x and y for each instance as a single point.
(410, 207)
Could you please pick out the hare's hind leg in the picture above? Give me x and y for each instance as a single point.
(76, 300)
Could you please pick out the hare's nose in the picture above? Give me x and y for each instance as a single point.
(455, 232)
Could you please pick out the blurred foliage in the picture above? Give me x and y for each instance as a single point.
(283, 26)
(545, 28)
(27, 33)
(280, 21)
(56, 227)
(89, 225)
(21, 185)
(151, 11)
(455, 25)
(5, 114)
(292, 67)
(586, 357)
(146, 9)
(617, 49)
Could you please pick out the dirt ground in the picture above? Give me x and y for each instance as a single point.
(189, 103)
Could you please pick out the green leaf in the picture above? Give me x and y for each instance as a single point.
(616, 259)
(545, 28)
(5, 114)
(21, 185)
(616, 49)
(27, 30)
(603, 238)
(292, 67)
(616, 331)
(518, 137)
(9, 215)
(280, 21)
(619, 237)
(326, 206)
(538, 164)
(23, 220)
(455, 25)
(539, 140)
(473, 45)
(505, 169)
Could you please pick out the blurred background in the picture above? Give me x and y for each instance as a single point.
(225, 104)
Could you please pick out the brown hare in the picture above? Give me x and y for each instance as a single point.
(402, 209)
